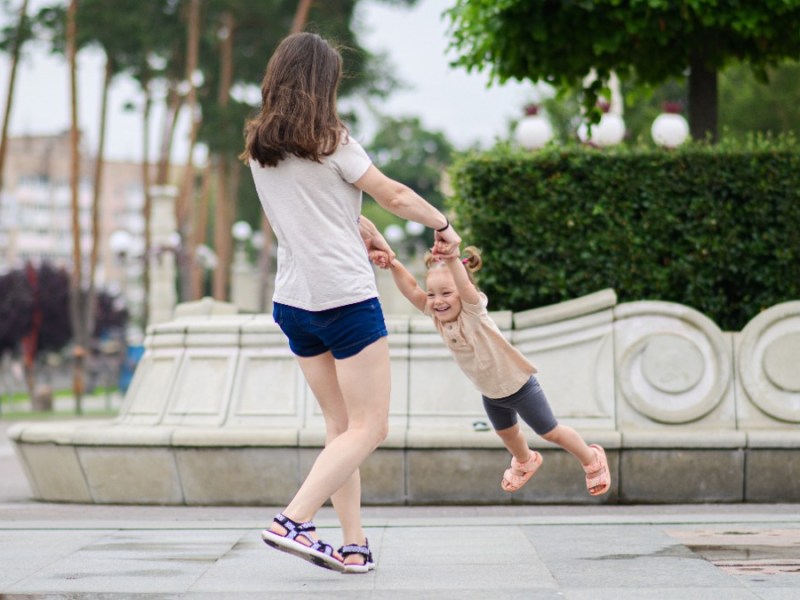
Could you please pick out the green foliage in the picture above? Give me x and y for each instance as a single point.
(712, 228)
(405, 151)
(560, 42)
(749, 105)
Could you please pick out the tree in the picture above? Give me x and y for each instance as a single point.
(562, 42)
(16, 309)
(405, 151)
(12, 41)
(750, 105)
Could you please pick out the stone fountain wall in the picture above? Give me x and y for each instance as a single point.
(218, 413)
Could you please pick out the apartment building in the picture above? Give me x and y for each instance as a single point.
(36, 210)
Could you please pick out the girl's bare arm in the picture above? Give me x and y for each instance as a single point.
(466, 289)
(408, 286)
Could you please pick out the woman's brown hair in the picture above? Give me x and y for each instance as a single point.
(298, 103)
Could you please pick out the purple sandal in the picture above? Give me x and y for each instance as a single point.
(316, 551)
(349, 550)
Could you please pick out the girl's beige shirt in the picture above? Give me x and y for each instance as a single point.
(487, 358)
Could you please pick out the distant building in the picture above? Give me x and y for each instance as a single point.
(36, 211)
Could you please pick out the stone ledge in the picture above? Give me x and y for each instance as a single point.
(773, 439)
(700, 439)
(577, 307)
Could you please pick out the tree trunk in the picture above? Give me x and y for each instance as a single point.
(200, 227)
(301, 15)
(11, 80)
(225, 201)
(183, 208)
(703, 100)
(77, 306)
(148, 201)
(96, 191)
(174, 105)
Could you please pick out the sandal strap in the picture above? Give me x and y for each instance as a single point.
(320, 546)
(293, 528)
(350, 549)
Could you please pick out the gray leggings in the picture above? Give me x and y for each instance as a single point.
(529, 402)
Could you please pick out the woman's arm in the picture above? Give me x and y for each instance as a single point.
(401, 200)
(373, 239)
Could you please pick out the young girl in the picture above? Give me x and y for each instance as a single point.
(499, 371)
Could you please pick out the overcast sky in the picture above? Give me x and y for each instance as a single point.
(446, 99)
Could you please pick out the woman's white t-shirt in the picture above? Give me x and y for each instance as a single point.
(314, 209)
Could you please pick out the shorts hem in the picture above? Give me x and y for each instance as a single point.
(355, 348)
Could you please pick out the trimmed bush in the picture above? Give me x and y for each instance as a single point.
(715, 228)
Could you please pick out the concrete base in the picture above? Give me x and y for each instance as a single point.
(79, 463)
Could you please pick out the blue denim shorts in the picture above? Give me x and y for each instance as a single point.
(344, 330)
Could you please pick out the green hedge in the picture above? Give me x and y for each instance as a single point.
(714, 228)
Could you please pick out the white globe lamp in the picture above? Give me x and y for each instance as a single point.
(610, 131)
(533, 130)
(670, 129)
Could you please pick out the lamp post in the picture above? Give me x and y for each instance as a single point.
(670, 129)
(244, 281)
(164, 241)
(533, 131)
(128, 251)
(610, 131)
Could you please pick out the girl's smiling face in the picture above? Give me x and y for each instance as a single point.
(444, 302)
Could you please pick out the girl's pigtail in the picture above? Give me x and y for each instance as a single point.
(429, 260)
(472, 260)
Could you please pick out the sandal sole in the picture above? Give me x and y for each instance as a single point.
(358, 569)
(299, 550)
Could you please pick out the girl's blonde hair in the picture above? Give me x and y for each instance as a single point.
(472, 261)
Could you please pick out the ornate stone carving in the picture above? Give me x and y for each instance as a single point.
(673, 363)
(769, 361)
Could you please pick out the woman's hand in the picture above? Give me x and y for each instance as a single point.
(446, 242)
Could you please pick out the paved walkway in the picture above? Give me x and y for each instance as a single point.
(708, 552)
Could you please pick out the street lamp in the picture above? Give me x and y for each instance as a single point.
(533, 131)
(608, 132)
(670, 129)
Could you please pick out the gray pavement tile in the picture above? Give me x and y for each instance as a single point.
(252, 567)
(157, 562)
(22, 555)
(463, 558)
(604, 592)
(622, 557)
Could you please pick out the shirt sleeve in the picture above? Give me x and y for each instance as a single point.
(476, 309)
(350, 160)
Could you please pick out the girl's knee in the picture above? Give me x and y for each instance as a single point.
(553, 435)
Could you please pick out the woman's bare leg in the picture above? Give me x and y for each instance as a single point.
(320, 373)
(364, 382)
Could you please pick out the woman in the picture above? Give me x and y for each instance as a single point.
(309, 175)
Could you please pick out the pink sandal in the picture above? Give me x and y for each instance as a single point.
(598, 477)
(511, 481)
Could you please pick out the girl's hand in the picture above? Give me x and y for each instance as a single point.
(381, 258)
(452, 254)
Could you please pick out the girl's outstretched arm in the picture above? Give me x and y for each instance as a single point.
(466, 289)
(408, 286)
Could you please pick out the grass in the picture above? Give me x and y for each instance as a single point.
(52, 414)
(16, 406)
